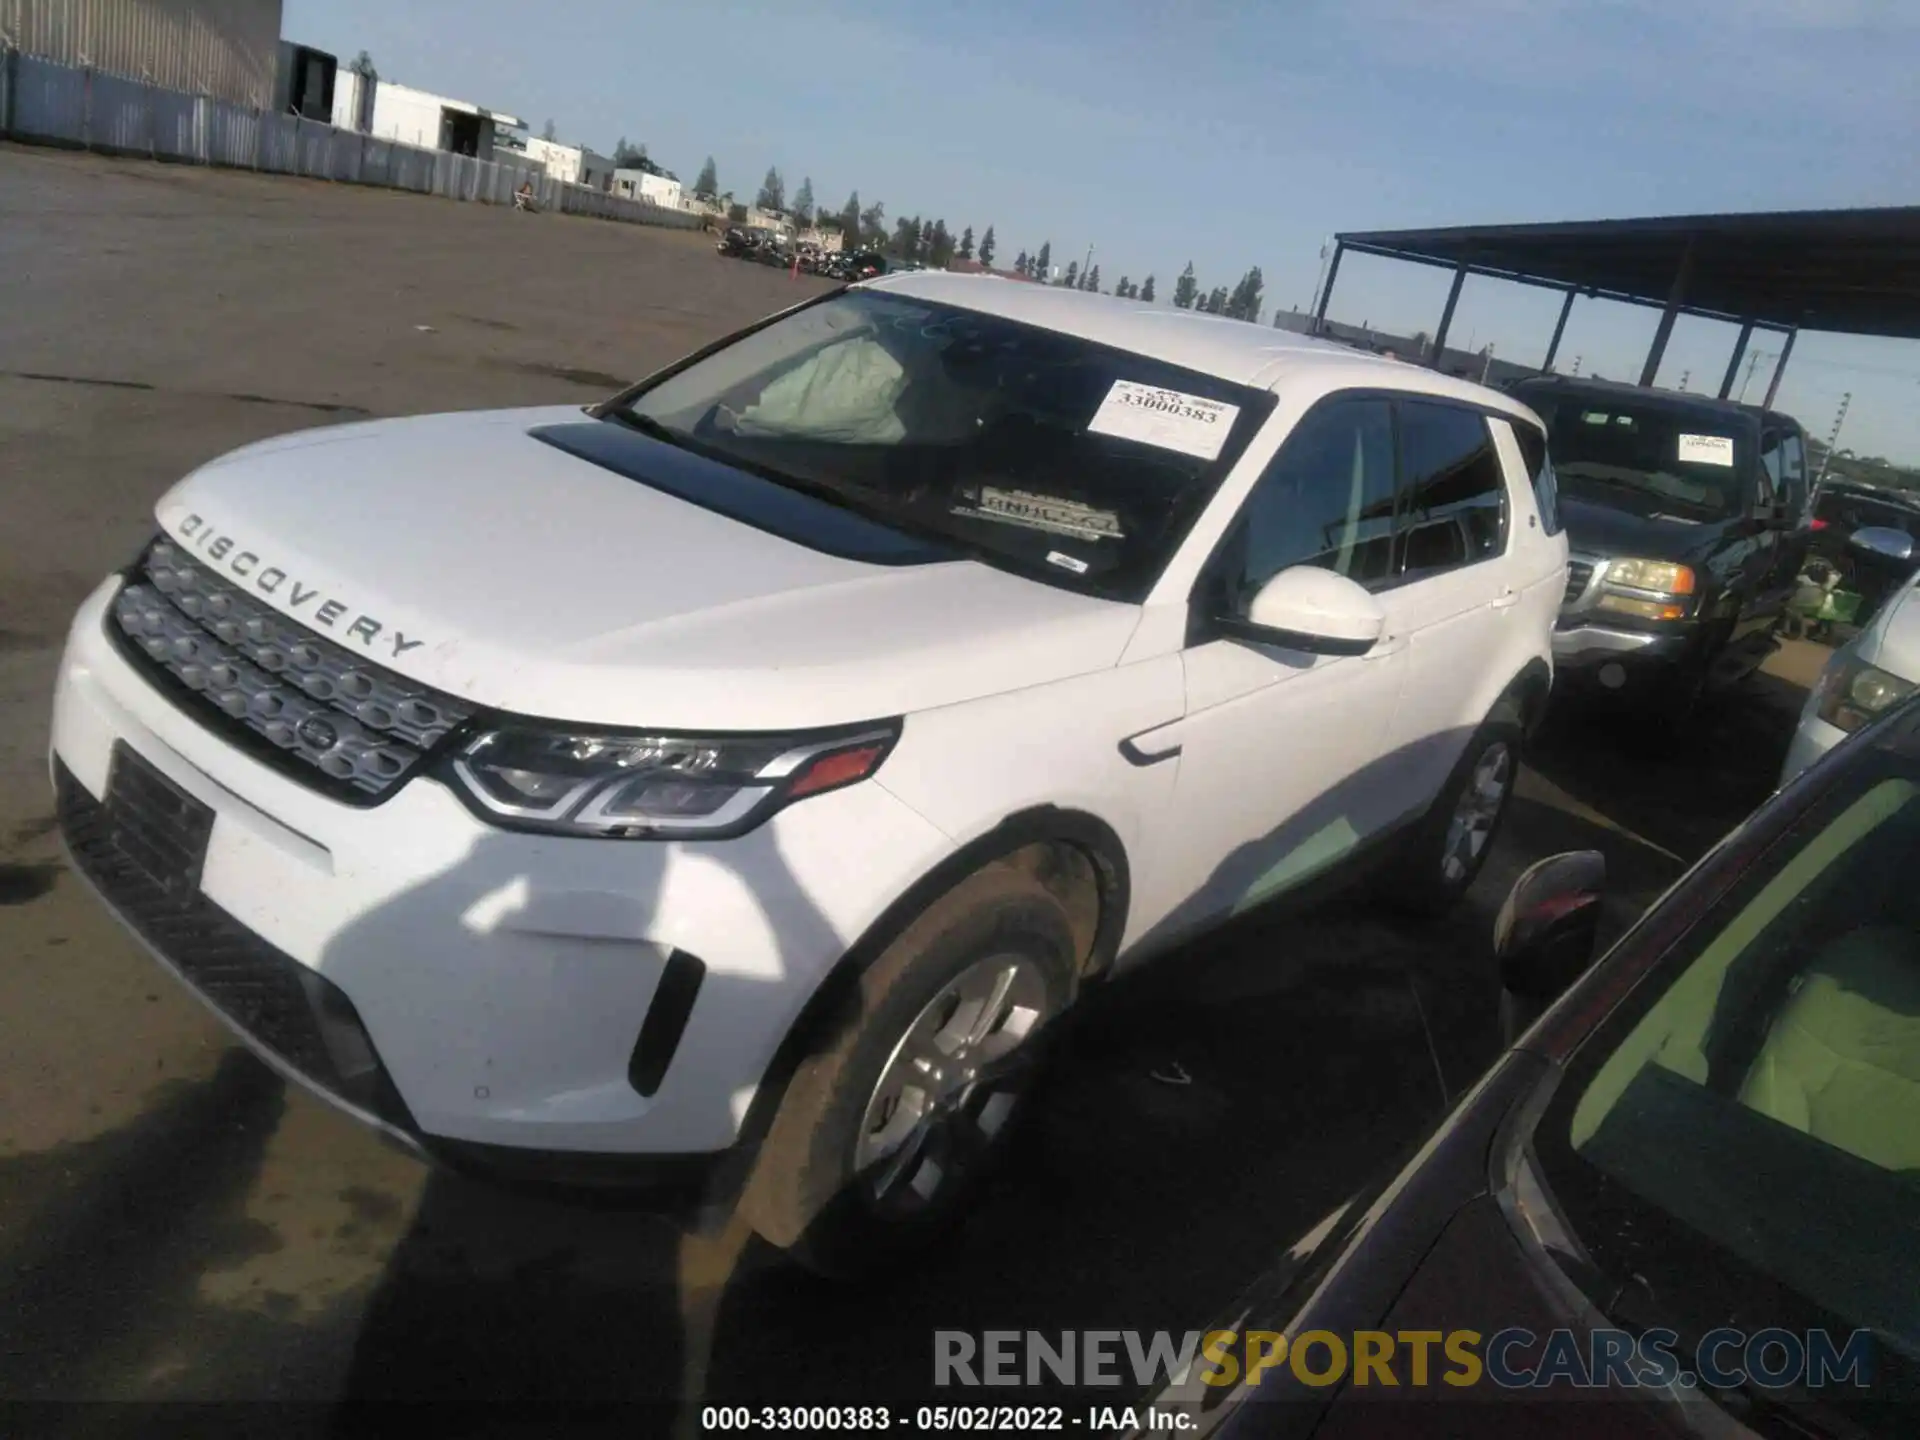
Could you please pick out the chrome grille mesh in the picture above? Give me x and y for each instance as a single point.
(322, 707)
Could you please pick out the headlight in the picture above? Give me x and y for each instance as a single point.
(1657, 577)
(652, 786)
(1852, 692)
(1646, 589)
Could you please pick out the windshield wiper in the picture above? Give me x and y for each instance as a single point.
(840, 497)
(655, 430)
(647, 426)
(845, 498)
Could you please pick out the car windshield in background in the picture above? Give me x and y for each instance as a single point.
(1857, 511)
(1027, 447)
(1748, 1143)
(1653, 460)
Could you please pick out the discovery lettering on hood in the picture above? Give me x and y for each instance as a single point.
(228, 553)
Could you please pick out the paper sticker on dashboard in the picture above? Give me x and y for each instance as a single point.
(1707, 450)
(1051, 513)
(1168, 419)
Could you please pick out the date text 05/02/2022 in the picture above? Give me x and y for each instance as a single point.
(942, 1419)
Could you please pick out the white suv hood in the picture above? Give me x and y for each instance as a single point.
(461, 551)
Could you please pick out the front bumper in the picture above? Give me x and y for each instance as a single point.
(1587, 647)
(500, 982)
(1813, 737)
(1617, 661)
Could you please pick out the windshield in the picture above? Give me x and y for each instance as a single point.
(1653, 460)
(1029, 448)
(1856, 511)
(1746, 1138)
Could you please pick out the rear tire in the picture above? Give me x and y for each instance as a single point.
(884, 1136)
(1451, 842)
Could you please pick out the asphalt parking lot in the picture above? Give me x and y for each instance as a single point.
(176, 1224)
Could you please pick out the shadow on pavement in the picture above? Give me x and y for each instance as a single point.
(1206, 1117)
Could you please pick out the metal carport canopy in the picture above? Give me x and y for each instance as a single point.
(1851, 271)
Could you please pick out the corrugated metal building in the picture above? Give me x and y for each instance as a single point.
(229, 49)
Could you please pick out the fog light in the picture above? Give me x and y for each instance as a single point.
(1613, 675)
(1642, 609)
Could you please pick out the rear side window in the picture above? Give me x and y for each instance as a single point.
(1453, 496)
(1546, 489)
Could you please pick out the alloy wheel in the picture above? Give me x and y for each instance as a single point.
(951, 1084)
(1471, 828)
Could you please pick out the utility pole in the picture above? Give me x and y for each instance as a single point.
(1833, 438)
(1753, 362)
(1576, 365)
(1313, 305)
(1685, 375)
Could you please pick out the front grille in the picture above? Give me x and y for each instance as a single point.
(288, 1009)
(307, 705)
(1579, 574)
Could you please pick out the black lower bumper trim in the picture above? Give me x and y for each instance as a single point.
(303, 1020)
(658, 1179)
(308, 1027)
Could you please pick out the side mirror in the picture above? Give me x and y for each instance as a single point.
(1883, 542)
(1307, 608)
(1544, 937)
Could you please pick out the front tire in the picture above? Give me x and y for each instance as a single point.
(885, 1135)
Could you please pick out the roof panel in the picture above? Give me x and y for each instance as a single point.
(1851, 271)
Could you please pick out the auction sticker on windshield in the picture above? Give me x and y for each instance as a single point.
(1169, 419)
(1045, 512)
(1707, 450)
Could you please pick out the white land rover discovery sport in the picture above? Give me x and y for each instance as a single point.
(756, 765)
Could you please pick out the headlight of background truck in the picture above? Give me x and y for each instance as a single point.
(529, 777)
(1646, 589)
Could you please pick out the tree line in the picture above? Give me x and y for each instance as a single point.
(1242, 302)
(931, 242)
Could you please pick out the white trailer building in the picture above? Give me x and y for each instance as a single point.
(387, 111)
(659, 190)
(573, 164)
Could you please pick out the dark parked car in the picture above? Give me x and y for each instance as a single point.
(1843, 507)
(854, 265)
(1693, 1184)
(1688, 521)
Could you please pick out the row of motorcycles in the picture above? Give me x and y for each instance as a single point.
(769, 249)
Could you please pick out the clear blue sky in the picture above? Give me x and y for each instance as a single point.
(1233, 134)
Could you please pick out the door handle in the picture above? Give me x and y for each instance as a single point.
(1506, 599)
(1152, 747)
